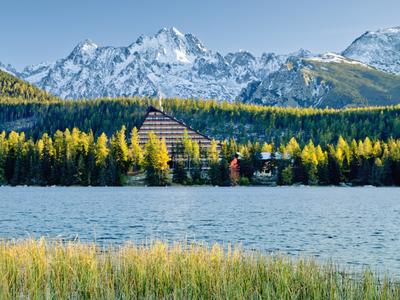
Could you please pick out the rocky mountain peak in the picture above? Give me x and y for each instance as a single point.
(86, 46)
(380, 49)
(169, 46)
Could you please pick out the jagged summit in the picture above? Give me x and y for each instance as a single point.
(83, 52)
(170, 61)
(169, 46)
(171, 30)
(86, 45)
(380, 49)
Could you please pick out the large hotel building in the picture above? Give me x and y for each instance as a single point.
(166, 126)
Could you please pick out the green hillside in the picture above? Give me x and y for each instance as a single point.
(356, 85)
(11, 87)
(334, 82)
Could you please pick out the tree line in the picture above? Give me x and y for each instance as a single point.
(362, 162)
(75, 157)
(220, 120)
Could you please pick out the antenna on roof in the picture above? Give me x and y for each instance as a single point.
(160, 97)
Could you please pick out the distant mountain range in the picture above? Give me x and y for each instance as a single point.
(179, 65)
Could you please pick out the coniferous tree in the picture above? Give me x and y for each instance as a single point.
(179, 175)
(135, 151)
(156, 160)
(223, 176)
(246, 162)
(213, 163)
(333, 166)
(196, 167)
(12, 145)
(162, 163)
(322, 169)
(3, 155)
(287, 175)
(120, 152)
(46, 159)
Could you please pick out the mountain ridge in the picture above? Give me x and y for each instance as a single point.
(169, 62)
(178, 64)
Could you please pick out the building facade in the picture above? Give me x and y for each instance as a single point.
(169, 128)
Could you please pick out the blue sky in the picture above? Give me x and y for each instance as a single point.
(44, 30)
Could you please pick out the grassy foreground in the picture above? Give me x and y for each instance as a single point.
(53, 270)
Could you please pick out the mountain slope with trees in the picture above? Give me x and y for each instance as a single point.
(12, 87)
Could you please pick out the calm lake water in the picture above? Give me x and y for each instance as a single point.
(353, 226)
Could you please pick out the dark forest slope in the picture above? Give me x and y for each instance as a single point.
(218, 120)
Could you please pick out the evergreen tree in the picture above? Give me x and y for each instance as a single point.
(246, 162)
(377, 173)
(333, 166)
(162, 163)
(223, 176)
(101, 149)
(310, 162)
(196, 168)
(179, 175)
(287, 175)
(3, 155)
(46, 160)
(156, 161)
(135, 151)
(120, 152)
(213, 163)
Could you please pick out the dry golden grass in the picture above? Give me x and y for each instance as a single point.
(53, 270)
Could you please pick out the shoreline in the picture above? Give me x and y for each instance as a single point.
(42, 268)
(201, 186)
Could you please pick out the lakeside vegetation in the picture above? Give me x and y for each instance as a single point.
(220, 120)
(54, 270)
(78, 158)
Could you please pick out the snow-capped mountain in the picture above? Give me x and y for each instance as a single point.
(380, 49)
(291, 85)
(179, 65)
(8, 68)
(328, 80)
(170, 62)
(362, 75)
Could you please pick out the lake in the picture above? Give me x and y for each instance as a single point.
(353, 226)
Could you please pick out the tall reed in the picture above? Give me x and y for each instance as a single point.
(45, 269)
